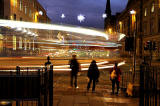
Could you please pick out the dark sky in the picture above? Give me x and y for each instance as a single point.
(91, 9)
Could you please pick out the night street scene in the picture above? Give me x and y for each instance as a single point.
(79, 52)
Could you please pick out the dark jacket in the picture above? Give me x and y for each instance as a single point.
(74, 65)
(93, 71)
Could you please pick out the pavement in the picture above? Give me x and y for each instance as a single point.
(64, 95)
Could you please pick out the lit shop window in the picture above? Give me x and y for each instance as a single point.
(14, 42)
(20, 42)
(152, 8)
(145, 12)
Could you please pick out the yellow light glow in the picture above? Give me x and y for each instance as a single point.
(11, 17)
(36, 17)
(110, 30)
(120, 24)
(133, 15)
(14, 42)
(14, 3)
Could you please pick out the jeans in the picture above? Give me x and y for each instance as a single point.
(74, 76)
(115, 81)
(94, 84)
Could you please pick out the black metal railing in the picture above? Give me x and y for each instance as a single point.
(149, 85)
(28, 85)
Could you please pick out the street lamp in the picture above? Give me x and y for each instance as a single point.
(133, 15)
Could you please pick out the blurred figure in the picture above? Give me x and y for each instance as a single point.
(74, 65)
(93, 75)
(115, 73)
(48, 61)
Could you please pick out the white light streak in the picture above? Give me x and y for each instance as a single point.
(30, 25)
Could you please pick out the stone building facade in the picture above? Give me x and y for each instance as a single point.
(147, 12)
(20, 41)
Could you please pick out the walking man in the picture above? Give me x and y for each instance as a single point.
(115, 73)
(93, 75)
(74, 65)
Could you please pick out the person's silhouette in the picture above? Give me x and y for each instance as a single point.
(48, 62)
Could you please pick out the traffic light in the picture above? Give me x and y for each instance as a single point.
(154, 46)
(129, 44)
(150, 45)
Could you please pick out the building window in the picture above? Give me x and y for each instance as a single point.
(14, 42)
(145, 12)
(30, 13)
(145, 28)
(20, 5)
(151, 26)
(152, 8)
(21, 19)
(25, 44)
(14, 3)
(20, 42)
(25, 9)
(159, 24)
(14, 16)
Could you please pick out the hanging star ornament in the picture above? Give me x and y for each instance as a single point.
(81, 18)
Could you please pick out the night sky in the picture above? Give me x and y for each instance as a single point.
(91, 9)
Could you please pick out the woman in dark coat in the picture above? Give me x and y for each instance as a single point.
(93, 75)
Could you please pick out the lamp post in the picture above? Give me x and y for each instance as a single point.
(133, 15)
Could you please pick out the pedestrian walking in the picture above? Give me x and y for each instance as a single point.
(115, 73)
(93, 75)
(75, 67)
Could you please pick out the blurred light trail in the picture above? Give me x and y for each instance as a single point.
(80, 30)
(66, 67)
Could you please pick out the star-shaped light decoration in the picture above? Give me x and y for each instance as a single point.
(81, 18)
(104, 15)
(63, 16)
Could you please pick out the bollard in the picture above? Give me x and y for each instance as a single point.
(17, 70)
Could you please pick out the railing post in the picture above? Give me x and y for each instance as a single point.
(142, 68)
(18, 70)
(51, 86)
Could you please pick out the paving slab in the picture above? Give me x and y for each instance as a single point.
(81, 99)
(66, 101)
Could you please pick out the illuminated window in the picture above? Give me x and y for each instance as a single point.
(25, 9)
(20, 5)
(14, 42)
(14, 3)
(145, 12)
(29, 44)
(152, 8)
(33, 44)
(25, 44)
(30, 13)
(20, 42)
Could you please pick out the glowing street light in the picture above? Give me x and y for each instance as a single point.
(81, 18)
(40, 13)
(63, 16)
(104, 15)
